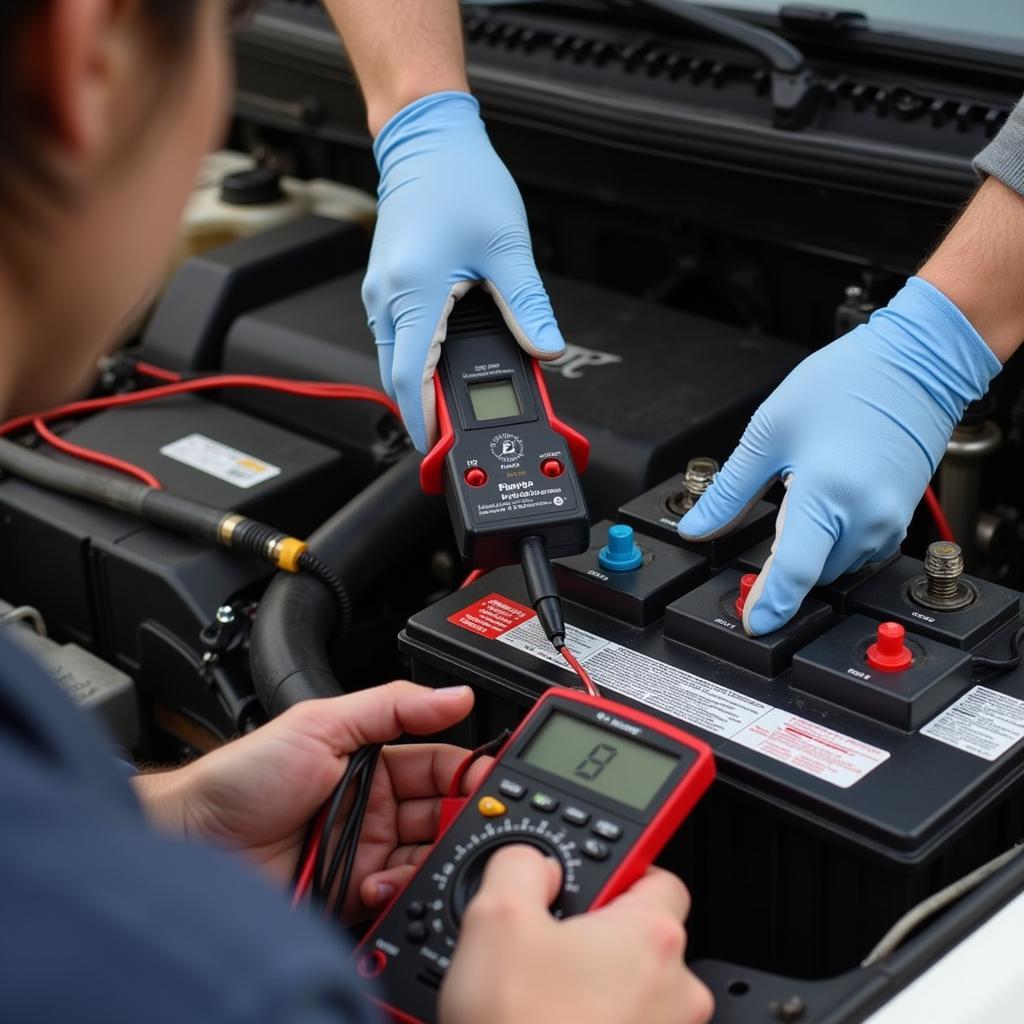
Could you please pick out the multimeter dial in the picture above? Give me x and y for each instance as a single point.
(460, 876)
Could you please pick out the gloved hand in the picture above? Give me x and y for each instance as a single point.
(449, 215)
(856, 431)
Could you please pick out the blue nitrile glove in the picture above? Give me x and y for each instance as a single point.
(856, 431)
(450, 215)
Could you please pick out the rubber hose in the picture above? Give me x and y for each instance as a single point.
(102, 488)
(288, 647)
(146, 503)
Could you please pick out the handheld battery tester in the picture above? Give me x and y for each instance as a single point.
(597, 786)
(506, 464)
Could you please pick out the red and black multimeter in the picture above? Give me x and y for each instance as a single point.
(598, 786)
(507, 465)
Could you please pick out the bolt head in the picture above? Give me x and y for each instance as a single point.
(225, 614)
(789, 1009)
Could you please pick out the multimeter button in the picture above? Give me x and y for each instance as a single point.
(416, 932)
(475, 477)
(575, 816)
(416, 910)
(513, 790)
(543, 802)
(372, 964)
(552, 468)
(595, 849)
(606, 829)
(490, 807)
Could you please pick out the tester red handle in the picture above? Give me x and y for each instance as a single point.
(432, 466)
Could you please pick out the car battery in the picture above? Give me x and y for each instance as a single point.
(862, 763)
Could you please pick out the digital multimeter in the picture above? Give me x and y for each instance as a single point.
(598, 786)
(507, 465)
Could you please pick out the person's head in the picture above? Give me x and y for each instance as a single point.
(106, 108)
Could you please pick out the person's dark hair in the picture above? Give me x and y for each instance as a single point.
(170, 25)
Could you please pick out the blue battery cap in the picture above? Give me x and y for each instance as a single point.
(621, 553)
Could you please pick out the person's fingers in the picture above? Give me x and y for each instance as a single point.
(385, 359)
(848, 555)
(804, 538)
(696, 1000)
(383, 330)
(517, 290)
(657, 890)
(737, 487)
(376, 889)
(420, 329)
(521, 875)
(382, 713)
(422, 769)
(418, 820)
(427, 769)
(480, 767)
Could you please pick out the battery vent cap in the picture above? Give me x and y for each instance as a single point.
(889, 652)
(621, 553)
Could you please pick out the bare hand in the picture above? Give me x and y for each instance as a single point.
(617, 965)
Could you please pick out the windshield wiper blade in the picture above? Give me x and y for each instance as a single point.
(796, 91)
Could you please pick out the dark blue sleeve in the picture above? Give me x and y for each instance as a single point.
(103, 920)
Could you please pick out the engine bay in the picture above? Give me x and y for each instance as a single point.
(701, 222)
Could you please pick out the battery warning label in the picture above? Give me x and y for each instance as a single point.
(982, 722)
(491, 616)
(803, 745)
(811, 748)
(220, 460)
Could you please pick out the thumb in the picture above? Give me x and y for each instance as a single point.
(804, 539)
(523, 872)
(383, 713)
(419, 333)
(737, 487)
(518, 292)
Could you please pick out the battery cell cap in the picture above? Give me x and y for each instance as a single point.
(889, 652)
(621, 553)
(552, 468)
(475, 477)
(747, 581)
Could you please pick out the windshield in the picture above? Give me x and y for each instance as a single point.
(1002, 19)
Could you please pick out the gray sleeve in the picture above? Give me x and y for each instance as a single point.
(1003, 157)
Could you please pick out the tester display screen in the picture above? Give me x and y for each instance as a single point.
(598, 759)
(495, 400)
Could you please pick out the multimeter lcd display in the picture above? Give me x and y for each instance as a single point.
(495, 400)
(603, 761)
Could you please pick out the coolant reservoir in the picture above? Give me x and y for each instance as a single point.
(235, 198)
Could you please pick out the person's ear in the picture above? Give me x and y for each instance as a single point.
(77, 58)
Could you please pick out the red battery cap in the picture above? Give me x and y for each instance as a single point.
(552, 468)
(475, 477)
(890, 653)
(747, 580)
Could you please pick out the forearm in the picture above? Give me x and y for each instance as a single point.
(401, 50)
(979, 266)
(1003, 157)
